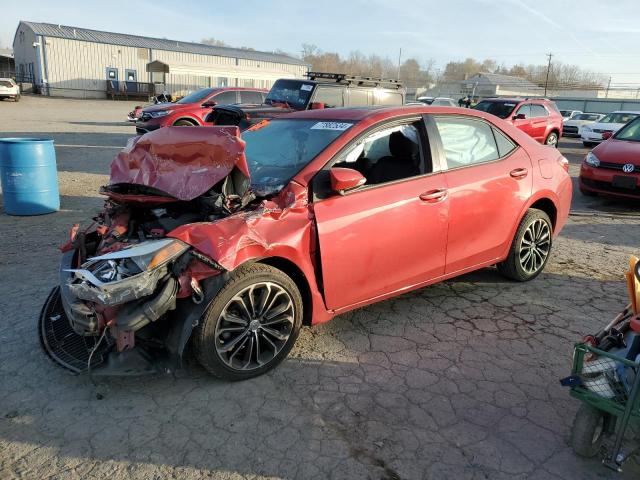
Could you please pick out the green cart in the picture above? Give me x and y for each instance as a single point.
(609, 388)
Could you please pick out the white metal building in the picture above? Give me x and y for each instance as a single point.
(77, 62)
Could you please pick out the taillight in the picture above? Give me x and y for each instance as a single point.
(564, 163)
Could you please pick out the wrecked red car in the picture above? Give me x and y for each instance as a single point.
(231, 243)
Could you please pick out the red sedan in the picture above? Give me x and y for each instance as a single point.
(236, 242)
(613, 167)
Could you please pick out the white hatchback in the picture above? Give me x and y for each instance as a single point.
(9, 89)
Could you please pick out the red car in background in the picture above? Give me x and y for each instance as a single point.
(235, 242)
(613, 167)
(191, 110)
(537, 117)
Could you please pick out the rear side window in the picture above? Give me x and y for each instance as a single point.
(330, 96)
(225, 98)
(538, 111)
(466, 141)
(505, 145)
(250, 97)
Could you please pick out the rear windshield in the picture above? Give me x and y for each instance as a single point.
(295, 93)
(278, 149)
(630, 132)
(5, 83)
(499, 109)
(197, 96)
(618, 117)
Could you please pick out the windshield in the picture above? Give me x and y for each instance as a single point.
(499, 109)
(630, 132)
(618, 117)
(294, 93)
(278, 149)
(197, 96)
(586, 116)
(565, 113)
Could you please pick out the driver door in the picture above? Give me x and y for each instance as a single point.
(387, 236)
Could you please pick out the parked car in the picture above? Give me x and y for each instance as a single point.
(443, 102)
(426, 100)
(235, 242)
(573, 127)
(605, 127)
(569, 114)
(192, 110)
(539, 118)
(320, 90)
(136, 113)
(9, 89)
(613, 167)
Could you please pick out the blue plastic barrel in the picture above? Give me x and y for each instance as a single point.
(29, 176)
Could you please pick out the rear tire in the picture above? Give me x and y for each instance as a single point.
(589, 428)
(530, 248)
(552, 140)
(588, 144)
(184, 123)
(16, 98)
(251, 325)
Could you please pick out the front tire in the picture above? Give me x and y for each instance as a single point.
(588, 193)
(183, 123)
(251, 325)
(589, 144)
(16, 98)
(530, 248)
(552, 140)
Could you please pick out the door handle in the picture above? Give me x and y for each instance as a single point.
(519, 173)
(434, 196)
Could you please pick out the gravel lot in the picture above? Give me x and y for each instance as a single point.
(455, 381)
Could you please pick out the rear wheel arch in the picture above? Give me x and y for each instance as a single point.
(547, 206)
(299, 278)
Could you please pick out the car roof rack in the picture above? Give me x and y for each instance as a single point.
(354, 79)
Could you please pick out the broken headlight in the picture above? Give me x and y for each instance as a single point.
(127, 274)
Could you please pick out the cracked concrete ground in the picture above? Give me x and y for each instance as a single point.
(454, 381)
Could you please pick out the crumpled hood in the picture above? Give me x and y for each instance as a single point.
(184, 162)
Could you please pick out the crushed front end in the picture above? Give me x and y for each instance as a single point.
(129, 294)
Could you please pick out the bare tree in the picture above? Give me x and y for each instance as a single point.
(213, 42)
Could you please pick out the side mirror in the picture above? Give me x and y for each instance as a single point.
(316, 106)
(607, 135)
(210, 103)
(345, 179)
(520, 116)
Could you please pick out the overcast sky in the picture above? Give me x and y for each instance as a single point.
(599, 36)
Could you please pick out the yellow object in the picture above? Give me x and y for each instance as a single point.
(165, 254)
(633, 284)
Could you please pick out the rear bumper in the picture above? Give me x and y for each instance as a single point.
(600, 180)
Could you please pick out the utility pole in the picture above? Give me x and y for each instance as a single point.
(606, 94)
(399, 58)
(546, 82)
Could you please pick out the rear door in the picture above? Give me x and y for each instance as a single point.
(388, 235)
(489, 179)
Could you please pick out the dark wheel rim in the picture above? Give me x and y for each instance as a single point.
(597, 433)
(535, 246)
(254, 326)
(552, 139)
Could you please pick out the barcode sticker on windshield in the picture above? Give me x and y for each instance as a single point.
(306, 87)
(331, 126)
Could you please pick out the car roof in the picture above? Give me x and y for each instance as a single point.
(358, 114)
(625, 111)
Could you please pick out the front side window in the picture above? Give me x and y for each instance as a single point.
(225, 98)
(524, 110)
(618, 117)
(330, 96)
(387, 155)
(278, 149)
(466, 141)
(250, 97)
(538, 111)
